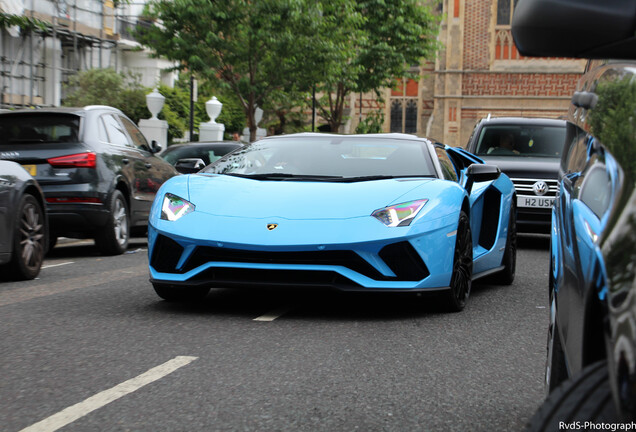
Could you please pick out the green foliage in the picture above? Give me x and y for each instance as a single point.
(270, 53)
(372, 123)
(107, 87)
(232, 115)
(613, 121)
(176, 111)
(125, 92)
(389, 37)
(400, 33)
(24, 22)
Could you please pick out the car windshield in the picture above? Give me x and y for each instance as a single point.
(328, 158)
(208, 154)
(519, 140)
(38, 128)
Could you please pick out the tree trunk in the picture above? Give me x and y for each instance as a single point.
(251, 121)
(338, 110)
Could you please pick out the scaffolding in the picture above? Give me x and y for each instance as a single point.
(35, 64)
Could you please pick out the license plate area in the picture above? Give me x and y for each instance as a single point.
(535, 202)
(31, 169)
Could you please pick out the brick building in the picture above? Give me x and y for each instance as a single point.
(479, 72)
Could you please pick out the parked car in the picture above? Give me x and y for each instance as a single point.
(592, 292)
(528, 150)
(23, 223)
(190, 157)
(98, 173)
(353, 212)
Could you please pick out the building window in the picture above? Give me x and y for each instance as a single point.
(410, 119)
(505, 8)
(404, 107)
(505, 48)
(396, 115)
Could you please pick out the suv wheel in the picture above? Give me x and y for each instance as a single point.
(112, 239)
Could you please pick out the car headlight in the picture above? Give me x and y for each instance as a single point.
(175, 207)
(399, 214)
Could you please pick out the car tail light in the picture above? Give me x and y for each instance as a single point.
(73, 200)
(79, 160)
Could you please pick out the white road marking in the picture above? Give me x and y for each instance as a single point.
(72, 413)
(57, 265)
(272, 315)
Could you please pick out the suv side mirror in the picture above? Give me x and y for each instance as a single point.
(155, 147)
(480, 173)
(189, 165)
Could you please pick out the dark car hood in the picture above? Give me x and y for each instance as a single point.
(525, 167)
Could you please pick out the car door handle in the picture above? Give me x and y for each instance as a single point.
(125, 161)
(148, 165)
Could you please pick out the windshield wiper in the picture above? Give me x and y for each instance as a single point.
(383, 177)
(286, 176)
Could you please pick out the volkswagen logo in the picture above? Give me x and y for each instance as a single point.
(540, 188)
(271, 226)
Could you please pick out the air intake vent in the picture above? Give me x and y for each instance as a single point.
(165, 255)
(405, 262)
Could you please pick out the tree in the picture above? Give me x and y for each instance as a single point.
(250, 47)
(391, 36)
(125, 92)
(107, 87)
(270, 53)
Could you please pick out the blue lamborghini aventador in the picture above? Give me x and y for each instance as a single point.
(354, 212)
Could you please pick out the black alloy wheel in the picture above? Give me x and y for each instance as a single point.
(29, 241)
(461, 280)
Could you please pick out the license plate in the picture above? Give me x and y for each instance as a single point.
(31, 169)
(535, 202)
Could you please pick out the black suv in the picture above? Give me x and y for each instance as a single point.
(528, 151)
(591, 361)
(98, 173)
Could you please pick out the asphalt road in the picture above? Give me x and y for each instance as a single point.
(88, 346)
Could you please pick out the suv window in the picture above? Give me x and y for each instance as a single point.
(40, 128)
(116, 134)
(519, 140)
(137, 137)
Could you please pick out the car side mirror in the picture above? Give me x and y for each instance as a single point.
(155, 147)
(480, 173)
(189, 165)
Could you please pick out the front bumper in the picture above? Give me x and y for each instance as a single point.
(391, 259)
(534, 220)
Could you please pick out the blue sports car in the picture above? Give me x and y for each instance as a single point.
(384, 212)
